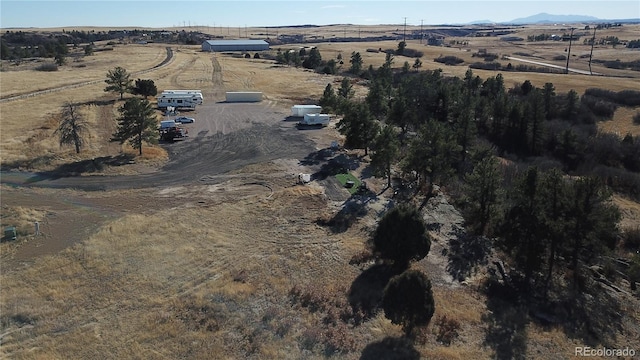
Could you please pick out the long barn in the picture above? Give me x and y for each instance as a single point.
(235, 45)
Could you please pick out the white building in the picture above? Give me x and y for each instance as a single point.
(235, 45)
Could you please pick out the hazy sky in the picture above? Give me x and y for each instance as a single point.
(161, 13)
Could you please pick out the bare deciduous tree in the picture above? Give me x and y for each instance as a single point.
(72, 128)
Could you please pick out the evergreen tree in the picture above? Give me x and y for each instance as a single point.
(483, 189)
(377, 99)
(145, 88)
(137, 124)
(523, 227)
(549, 93)
(118, 81)
(356, 63)
(328, 100)
(431, 155)
(593, 219)
(408, 301)
(401, 237)
(417, 64)
(358, 127)
(386, 151)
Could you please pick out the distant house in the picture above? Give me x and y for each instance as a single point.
(235, 45)
(435, 40)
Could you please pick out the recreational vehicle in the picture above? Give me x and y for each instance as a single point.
(179, 101)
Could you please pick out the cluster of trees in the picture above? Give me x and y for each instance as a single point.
(429, 129)
(400, 239)
(16, 45)
(136, 124)
(523, 122)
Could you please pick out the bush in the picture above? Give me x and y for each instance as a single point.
(47, 67)
(636, 118)
(598, 106)
(619, 180)
(624, 97)
(447, 330)
(449, 60)
(486, 66)
(412, 53)
(631, 238)
(559, 57)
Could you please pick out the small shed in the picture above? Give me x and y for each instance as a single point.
(244, 96)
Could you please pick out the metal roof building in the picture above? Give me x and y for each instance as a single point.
(235, 45)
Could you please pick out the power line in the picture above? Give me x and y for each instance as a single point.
(404, 32)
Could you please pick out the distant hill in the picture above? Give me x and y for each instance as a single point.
(550, 18)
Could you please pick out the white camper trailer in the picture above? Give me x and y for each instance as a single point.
(315, 120)
(302, 110)
(179, 101)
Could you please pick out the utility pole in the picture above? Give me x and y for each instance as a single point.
(404, 32)
(593, 42)
(421, 33)
(566, 71)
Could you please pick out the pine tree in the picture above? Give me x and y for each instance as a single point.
(137, 124)
(118, 81)
(386, 151)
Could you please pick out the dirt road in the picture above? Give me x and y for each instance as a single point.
(583, 72)
(225, 137)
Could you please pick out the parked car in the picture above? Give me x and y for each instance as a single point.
(184, 120)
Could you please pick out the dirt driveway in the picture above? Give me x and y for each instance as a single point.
(225, 137)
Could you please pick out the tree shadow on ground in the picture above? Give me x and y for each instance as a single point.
(594, 317)
(365, 294)
(466, 253)
(291, 118)
(353, 209)
(506, 320)
(98, 102)
(78, 168)
(390, 348)
(317, 157)
(332, 166)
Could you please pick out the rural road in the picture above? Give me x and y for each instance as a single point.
(583, 72)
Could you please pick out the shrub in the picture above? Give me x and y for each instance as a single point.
(624, 97)
(631, 238)
(339, 339)
(636, 118)
(449, 60)
(559, 57)
(256, 56)
(447, 330)
(486, 66)
(412, 53)
(47, 67)
(598, 106)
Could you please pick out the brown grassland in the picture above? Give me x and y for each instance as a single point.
(205, 271)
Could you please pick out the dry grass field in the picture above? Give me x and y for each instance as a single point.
(205, 271)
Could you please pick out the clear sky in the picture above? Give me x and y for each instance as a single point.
(164, 14)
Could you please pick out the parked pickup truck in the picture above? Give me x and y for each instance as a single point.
(170, 131)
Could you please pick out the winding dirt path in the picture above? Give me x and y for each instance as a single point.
(167, 60)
